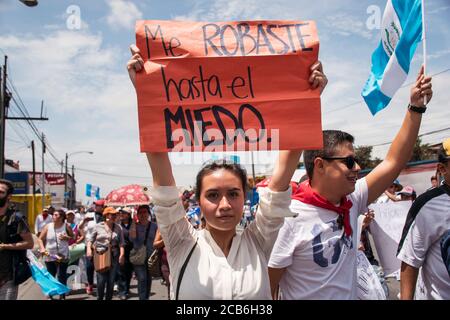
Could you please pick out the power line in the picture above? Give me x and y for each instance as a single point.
(420, 135)
(110, 174)
(405, 85)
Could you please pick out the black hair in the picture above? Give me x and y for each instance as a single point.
(332, 139)
(144, 206)
(9, 184)
(62, 214)
(303, 178)
(233, 167)
(442, 155)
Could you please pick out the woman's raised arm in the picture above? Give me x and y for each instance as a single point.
(159, 162)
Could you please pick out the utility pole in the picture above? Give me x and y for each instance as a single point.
(72, 191)
(5, 98)
(34, 168)
(2, 120)
(43, 170)
(34, 179)
(65, 185)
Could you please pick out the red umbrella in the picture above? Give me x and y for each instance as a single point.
(129, 195)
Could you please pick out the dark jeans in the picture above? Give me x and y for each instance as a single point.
(58, 268)
(144, 281)
(106, 280)
(124, 278)
(89, 263)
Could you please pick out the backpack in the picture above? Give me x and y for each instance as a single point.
(21, 264)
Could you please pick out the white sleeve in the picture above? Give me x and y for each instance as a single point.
(273, 208)
(417, 241)
(175, 229)
(284, 247)
(360, 195)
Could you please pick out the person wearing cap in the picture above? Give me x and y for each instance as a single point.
(41, 221)
(107, 234)
(390, 194)
(407, 194)
(423, 247)
(86, 228)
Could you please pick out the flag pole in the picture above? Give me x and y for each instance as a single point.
(424, 45)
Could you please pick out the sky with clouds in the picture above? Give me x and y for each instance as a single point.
(78, 69)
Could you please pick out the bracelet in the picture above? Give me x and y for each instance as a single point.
(417, 109)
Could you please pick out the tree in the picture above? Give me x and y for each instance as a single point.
(364, 154)
(421, 151)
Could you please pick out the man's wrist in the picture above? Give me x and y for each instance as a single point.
(416, 109)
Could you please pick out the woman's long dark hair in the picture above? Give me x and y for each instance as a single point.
(234, 168)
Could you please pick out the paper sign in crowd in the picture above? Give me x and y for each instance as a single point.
(387, 229)
(227, 86)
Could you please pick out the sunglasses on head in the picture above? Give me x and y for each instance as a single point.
(349, 161)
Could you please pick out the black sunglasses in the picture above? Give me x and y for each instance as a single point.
(349, 161)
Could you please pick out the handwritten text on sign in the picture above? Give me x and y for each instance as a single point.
(230, 86)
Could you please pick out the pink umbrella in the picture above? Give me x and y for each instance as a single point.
(130, 195)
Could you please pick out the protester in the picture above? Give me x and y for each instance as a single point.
(390, 194)
(41, 221)
(315, 253)
(126, 270)
(70, 217)
(107, 234)
(364, 242)
(427, 223)
(54, 246)
(158, 244)
(217, 262)
(87, 226)
(143, 233)
(15, 238)
(407, 194)
(434, 182)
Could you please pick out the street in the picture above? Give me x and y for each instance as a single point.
(31, 291)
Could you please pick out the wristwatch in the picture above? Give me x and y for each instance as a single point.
(417, 109)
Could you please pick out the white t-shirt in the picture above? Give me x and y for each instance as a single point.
(209, 274)
(320, 260)
(40, 222)
(428, 220)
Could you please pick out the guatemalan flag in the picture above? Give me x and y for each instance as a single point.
(401, 30)
(92, 191)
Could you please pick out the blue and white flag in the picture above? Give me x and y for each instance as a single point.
(401, 30)
(50, 286)
(92, 191)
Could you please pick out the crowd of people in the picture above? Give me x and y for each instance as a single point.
(298, 242)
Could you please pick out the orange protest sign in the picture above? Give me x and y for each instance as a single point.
(227, 86)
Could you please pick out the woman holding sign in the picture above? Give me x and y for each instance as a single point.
(216, 262)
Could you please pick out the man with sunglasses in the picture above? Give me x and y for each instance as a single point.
(424, 246)
(314, 256)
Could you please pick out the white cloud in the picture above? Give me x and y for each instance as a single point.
(437, 10)
(123, 14)
(346, 25)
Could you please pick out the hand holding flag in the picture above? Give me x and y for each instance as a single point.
(421, 92)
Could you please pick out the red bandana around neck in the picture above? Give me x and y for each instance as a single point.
(307, 195)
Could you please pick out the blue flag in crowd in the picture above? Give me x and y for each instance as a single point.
(49, 285)
(92, 191)
(401, 30)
